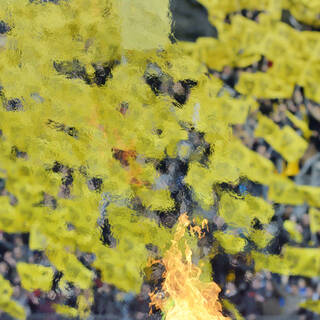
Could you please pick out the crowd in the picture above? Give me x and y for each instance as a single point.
(109, 302)
(254, 294)
(265, 293)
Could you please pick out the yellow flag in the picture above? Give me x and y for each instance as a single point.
(312, 195)
(71, 267)
(286, 141)
(311, 305)
(291, 227)
(65, 310)
(314, 220)
(283, 190)
(292, 169)
(35, 276)
(156, 199)
(5, 289)
(232, 308)
(241, 212)
(144, 24)
(260, 237)
(202, 183)
(84, 302)
(14, 309)
(294, 261)
(302, 125)
(8, 305)
(37, 241)
(229, 242)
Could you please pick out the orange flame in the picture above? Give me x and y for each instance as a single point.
(184, 296)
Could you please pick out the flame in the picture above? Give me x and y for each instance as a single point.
(184, 296)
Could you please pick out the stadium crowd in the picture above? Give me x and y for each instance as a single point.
(256, 295)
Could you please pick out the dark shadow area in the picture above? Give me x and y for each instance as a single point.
(190, 21)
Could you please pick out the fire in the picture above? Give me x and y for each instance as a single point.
(184, 296)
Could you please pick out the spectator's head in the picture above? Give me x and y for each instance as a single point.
(301, 283)
(294, 289)
(2, 185)
(8, 257)
(17, 253)
(16, 292)
(16, 279)
(3, 268)
(227, 71)
(261, 149)
(305, 220)
(256, 282)
(18, 241)
(309, 293)
(248, 276)
(269, 286)
(231, 289)
(297, 96)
